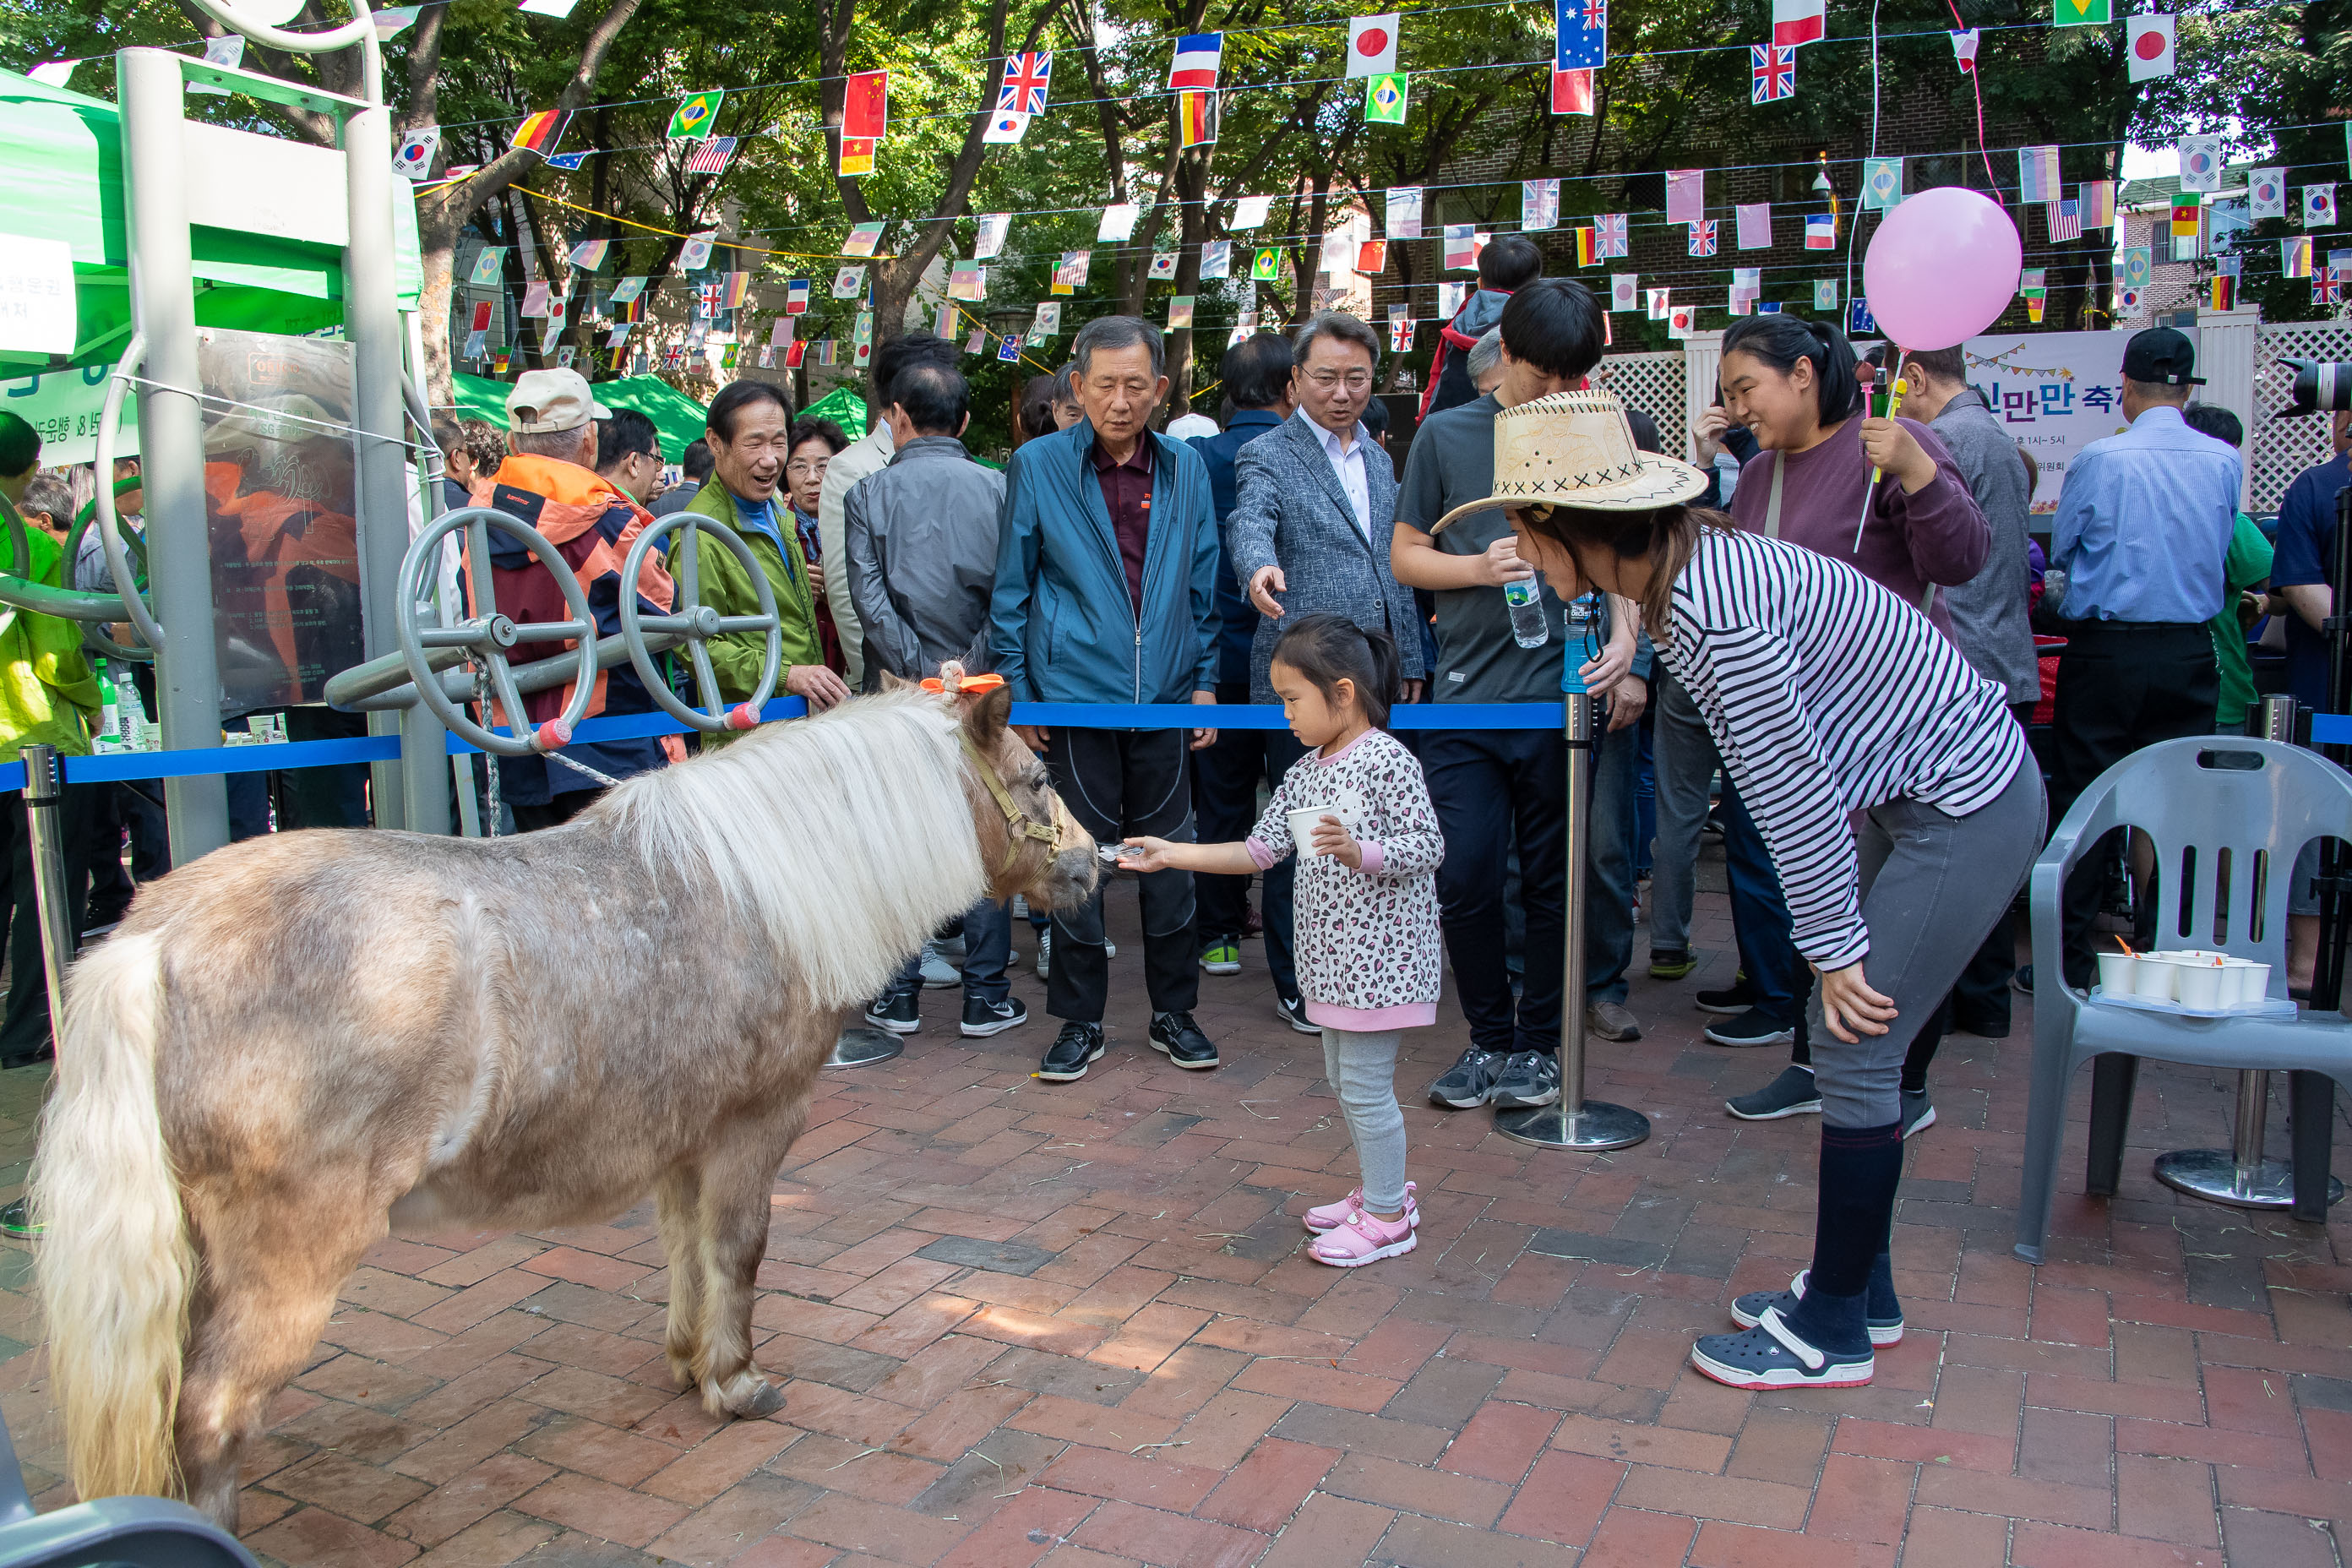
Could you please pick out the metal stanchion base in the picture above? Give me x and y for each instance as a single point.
(2215, 1175)
(861, 1046)
(1594, 1125)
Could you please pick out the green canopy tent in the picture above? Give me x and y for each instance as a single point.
(845, 408)
(63, 153)
(678, 417)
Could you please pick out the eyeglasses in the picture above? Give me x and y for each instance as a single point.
(806, 468)
(1353, 380)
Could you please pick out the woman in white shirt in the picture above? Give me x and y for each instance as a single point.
(1901, 805)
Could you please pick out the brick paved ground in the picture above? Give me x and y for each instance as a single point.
(1073, 1325)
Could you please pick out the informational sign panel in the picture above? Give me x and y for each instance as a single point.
(37, 296)
(280, 492)
(63, 406)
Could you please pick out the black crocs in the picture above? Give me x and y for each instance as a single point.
(1773, 1355)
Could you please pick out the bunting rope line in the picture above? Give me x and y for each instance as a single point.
(1164, 92)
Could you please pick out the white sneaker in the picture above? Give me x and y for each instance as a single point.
(938, 972)
(1045, 952)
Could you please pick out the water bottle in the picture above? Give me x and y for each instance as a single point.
(1525, 598)
(109, 710)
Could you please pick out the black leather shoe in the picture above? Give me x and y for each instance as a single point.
(1072, 1049)
(1180, 1038)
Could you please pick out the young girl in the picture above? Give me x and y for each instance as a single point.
(1895, 790)
(1367, 927)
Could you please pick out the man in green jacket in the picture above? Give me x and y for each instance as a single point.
(47, 694)
(750, 432)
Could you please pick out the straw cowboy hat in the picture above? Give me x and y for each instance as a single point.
(1574, 448)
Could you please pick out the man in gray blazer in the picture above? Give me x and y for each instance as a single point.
(1309, 532)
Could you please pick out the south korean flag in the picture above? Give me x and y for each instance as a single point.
(414, 156)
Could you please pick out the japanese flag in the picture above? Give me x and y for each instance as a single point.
(2148, 49)
(1372, 45)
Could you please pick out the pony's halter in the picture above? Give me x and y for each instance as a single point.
(1018, 828)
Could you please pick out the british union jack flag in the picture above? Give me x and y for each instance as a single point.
(1702, 236)
(1772, 72)
(1026, 77)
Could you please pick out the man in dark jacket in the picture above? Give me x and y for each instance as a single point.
(1509, 262)
(1256, 373)
(1106, 593)
(921, 535)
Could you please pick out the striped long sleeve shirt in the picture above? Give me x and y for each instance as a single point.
(1827, 695)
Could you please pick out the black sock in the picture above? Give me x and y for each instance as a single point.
(1861, 1167)
(1923, 1048)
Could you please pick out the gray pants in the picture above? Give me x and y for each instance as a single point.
(1932, 885)
(1362, 1071)
(1684, 757)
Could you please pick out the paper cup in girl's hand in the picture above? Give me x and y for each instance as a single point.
(1303, 821)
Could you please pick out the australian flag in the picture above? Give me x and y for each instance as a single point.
(1581, 34)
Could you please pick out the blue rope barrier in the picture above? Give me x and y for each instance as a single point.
(2331, 729)
(289, 756)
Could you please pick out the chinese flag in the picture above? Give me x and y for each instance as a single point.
(866, 113)
(1571, 92)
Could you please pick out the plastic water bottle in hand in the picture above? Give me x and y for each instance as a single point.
(1525, 597)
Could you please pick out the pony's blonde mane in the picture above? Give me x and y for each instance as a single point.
(848, 836)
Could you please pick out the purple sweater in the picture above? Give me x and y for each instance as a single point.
(1911, 541)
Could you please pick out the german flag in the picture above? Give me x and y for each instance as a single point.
(540, 131)
(1196, 118)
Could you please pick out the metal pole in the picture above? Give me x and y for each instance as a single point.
(1573, 1121)
(413, 792)
(172, 439)
(44, 798)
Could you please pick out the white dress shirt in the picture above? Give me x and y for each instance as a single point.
(1348, 462)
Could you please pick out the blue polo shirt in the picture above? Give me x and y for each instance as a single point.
(2307, 545)
(2144, 523)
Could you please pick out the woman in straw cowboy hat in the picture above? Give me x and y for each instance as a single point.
(1895, 790)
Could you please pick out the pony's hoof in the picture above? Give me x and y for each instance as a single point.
(751, 1398)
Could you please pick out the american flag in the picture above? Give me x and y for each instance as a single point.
(1772, 72)
(2066, 219)
(1609, 235)
(710, 157)
(1702, 236)
(1026, 77)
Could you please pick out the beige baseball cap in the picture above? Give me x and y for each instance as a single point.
(546, 401)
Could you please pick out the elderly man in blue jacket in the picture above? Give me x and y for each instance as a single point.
(1106, 593)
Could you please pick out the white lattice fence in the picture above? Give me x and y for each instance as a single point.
(1653, 384)
(2282, 448)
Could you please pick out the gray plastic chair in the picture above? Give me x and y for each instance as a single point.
(2228, 816)
(132, 1532)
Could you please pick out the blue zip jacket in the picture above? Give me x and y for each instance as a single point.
(1061, 626)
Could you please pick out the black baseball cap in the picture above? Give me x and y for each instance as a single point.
(2162, 355)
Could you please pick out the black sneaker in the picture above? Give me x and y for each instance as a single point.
(1175, 1036)
(900, 1012)
(1750, 1029)
(1528, 1078)
(1470, 1081)
(1740, 997)
(982, 1018)
(1291, 1010)
(1072, 1049)
(16, 1221)
(2023, 981)
(1793, 1093)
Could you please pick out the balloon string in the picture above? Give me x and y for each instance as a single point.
(1976, 86)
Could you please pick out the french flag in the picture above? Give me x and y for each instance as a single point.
(1197, 58)
(1797, 22)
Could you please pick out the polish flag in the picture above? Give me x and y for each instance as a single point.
(1797, 22)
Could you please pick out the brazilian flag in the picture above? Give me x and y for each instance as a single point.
(696, 113)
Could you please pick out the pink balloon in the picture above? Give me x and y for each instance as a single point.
(1941, 268)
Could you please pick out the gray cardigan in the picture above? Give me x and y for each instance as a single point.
(1990, 620)
(1290, 511)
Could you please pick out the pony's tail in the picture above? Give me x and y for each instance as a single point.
(115, 1264)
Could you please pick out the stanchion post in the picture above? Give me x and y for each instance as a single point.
(1573, 1121)
(45, 796)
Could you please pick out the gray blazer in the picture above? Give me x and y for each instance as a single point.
(1290, 511)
